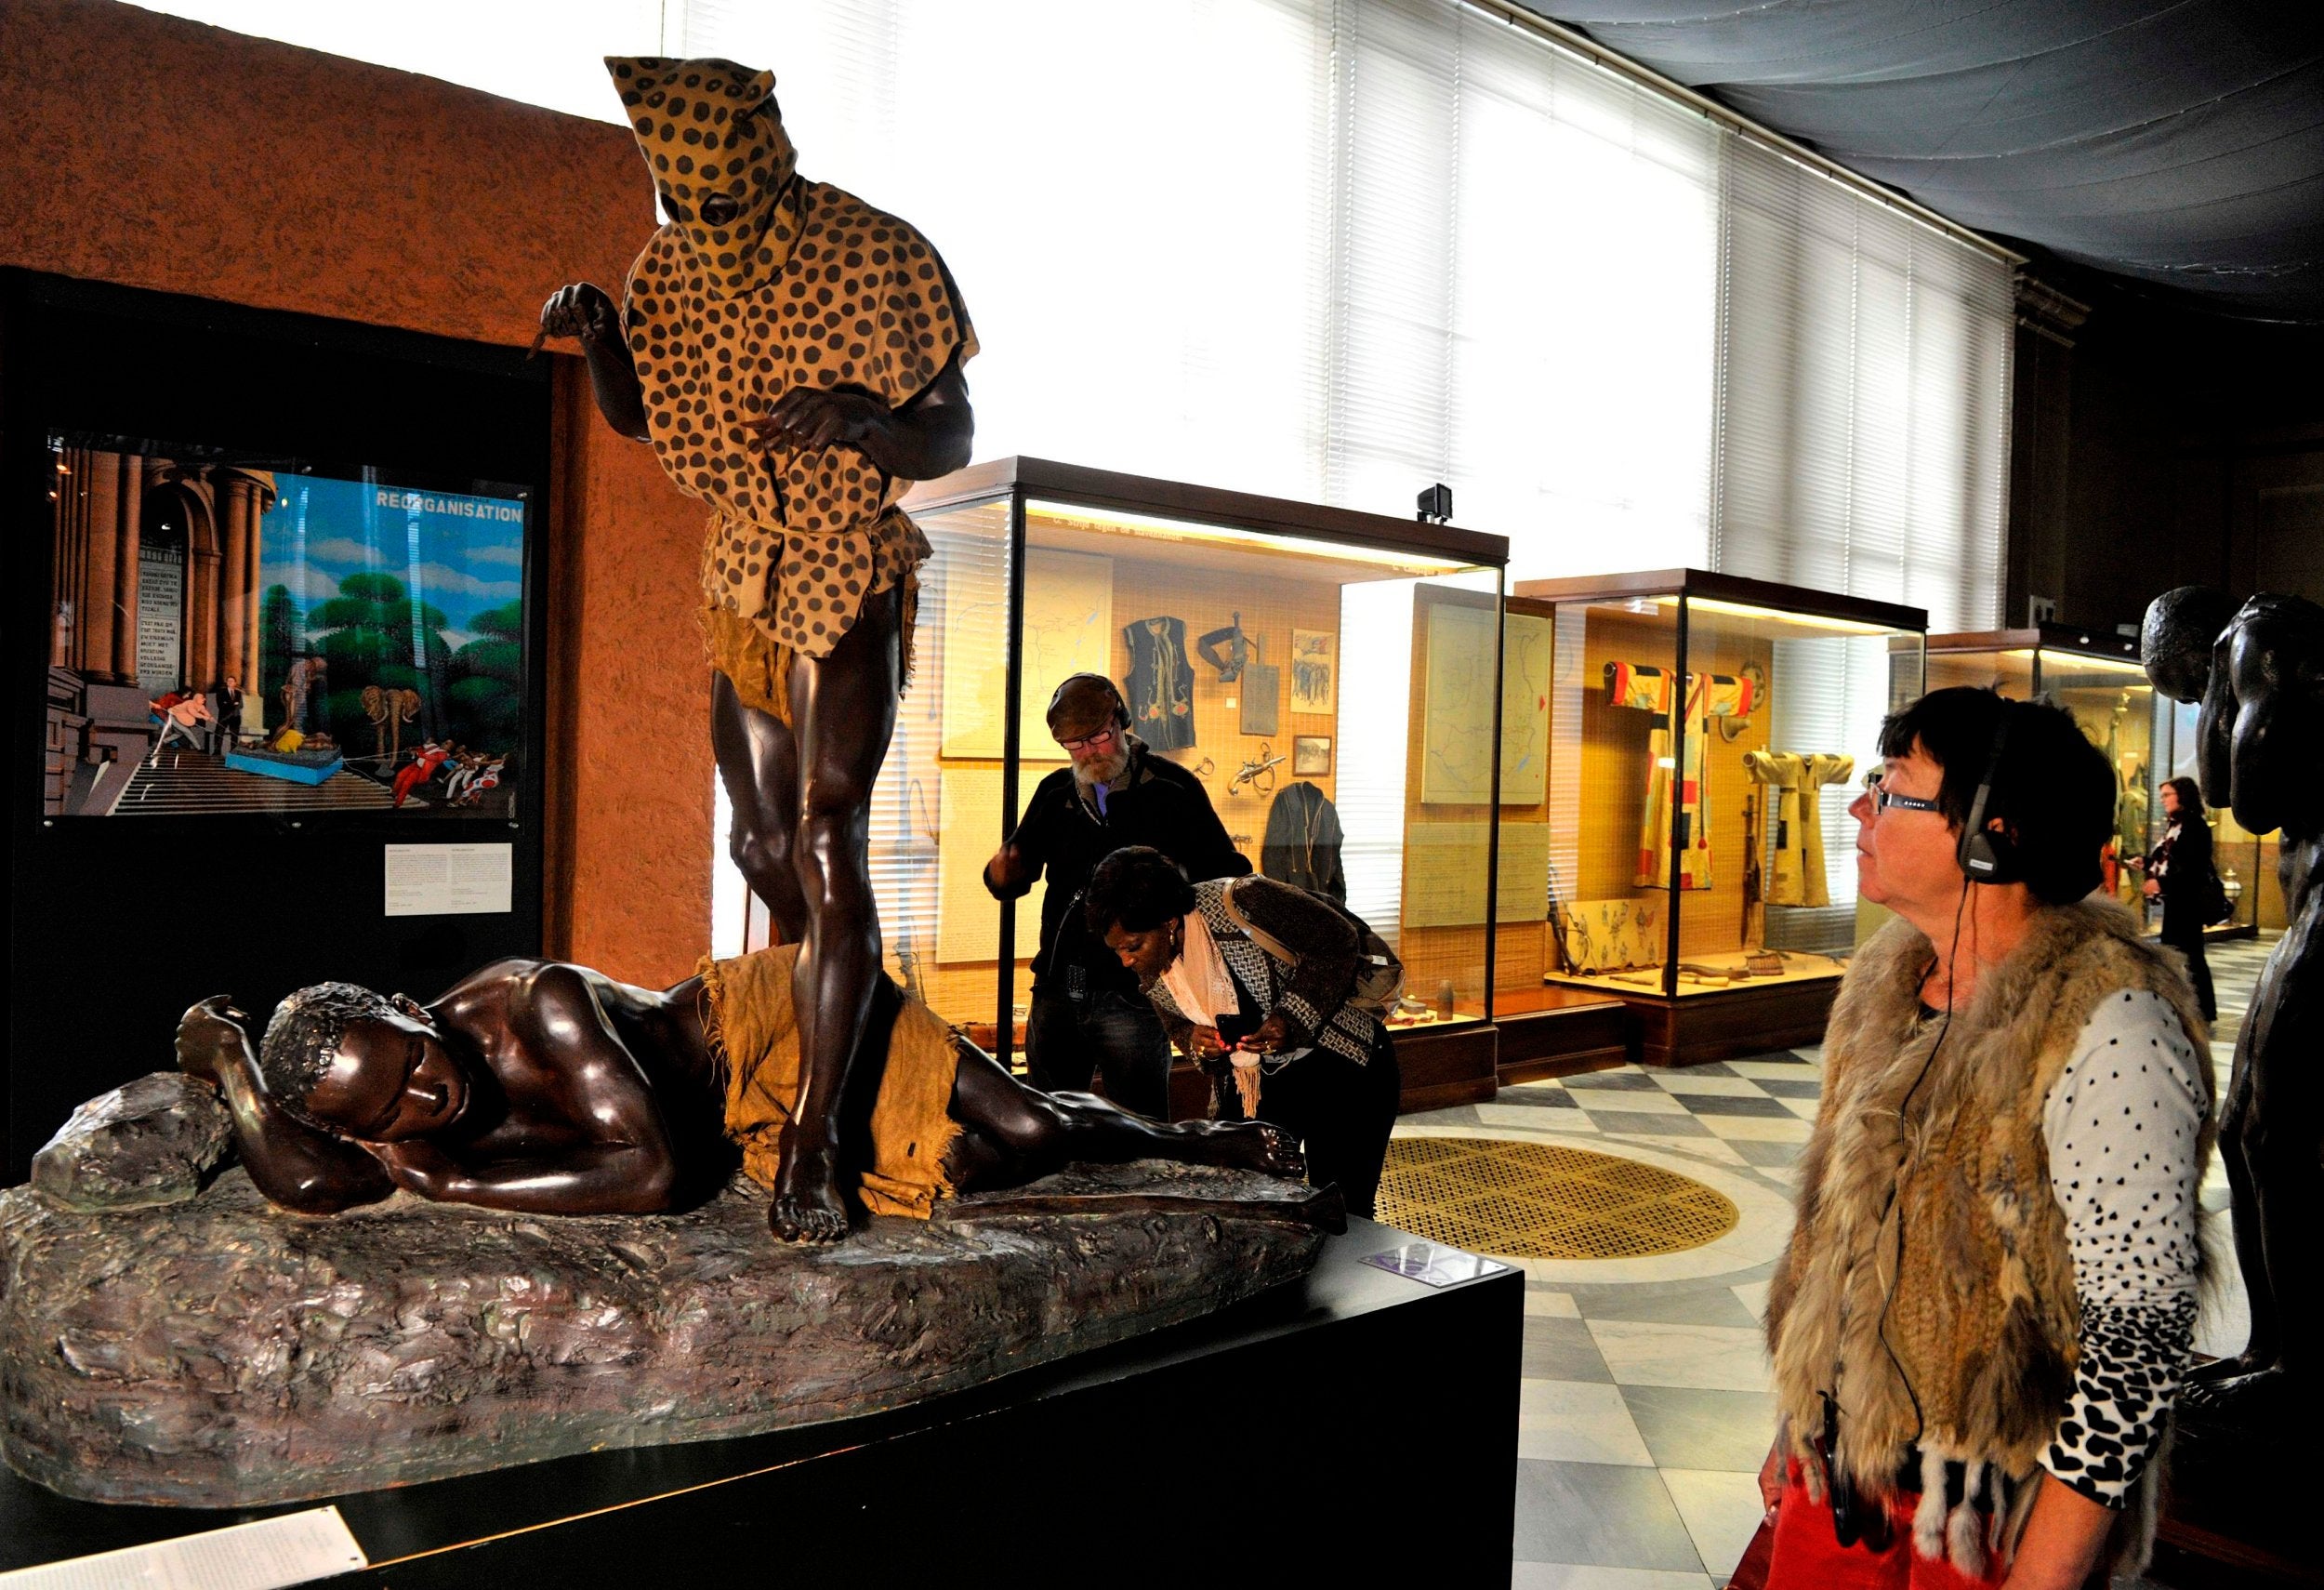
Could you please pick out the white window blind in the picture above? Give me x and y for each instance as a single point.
(1132, 199)
(1863, 396)
(1583, 311)
(1329, 250)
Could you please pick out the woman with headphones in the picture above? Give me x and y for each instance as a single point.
(1989, 1299)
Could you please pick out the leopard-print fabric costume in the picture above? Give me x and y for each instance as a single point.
(808, 285)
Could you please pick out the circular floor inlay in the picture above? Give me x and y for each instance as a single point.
(1530, 1201)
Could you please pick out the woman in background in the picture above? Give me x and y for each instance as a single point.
(2179, 874)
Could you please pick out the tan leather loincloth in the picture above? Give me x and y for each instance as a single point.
(754, 1032)
(760, 666)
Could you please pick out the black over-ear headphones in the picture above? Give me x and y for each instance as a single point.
(1988, 856)
(1121, 707)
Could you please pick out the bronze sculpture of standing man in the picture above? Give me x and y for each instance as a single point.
(794, 357)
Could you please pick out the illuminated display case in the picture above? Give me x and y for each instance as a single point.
(1324, 673)
(2097, 677)
(1708, 734)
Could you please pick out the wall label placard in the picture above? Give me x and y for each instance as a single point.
(291, 1548)
(450, 880)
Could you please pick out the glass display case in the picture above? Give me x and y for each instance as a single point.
(1330, 677)
(1708, 734)
(2097, 677)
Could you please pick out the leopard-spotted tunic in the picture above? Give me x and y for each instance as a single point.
(809, 285)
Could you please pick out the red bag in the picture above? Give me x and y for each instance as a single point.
(1751, 1572)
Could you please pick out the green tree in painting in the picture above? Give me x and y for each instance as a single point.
(487, 693)
(372, 634)
(278, 638)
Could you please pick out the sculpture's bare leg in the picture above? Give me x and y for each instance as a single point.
(2268, 1138)
(843, 712)
(2288, 1185)
(2262, 1346)
(759, 763)
(1011, 1134)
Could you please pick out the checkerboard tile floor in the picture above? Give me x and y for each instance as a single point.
(1644, 1406)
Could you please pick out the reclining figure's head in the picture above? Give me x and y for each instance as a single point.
(360, 1064)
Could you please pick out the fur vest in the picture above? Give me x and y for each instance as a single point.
(1928, 1287)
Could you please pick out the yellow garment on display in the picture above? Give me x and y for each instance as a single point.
(1610, 935)
(1708, 695)
(754, 1031)
(1797, 878)
(807, 285)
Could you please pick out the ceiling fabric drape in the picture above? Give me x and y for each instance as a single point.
(2181, 141)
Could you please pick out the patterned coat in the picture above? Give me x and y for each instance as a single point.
(1310, 992)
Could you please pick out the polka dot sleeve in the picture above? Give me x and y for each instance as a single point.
(2122, 1125)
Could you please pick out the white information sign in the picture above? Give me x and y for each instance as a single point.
(287, 1550)
(449, 879)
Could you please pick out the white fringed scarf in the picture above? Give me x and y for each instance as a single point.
(1202, 987)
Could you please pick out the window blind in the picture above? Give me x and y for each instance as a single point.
(1132, 200)
(1583, 305)
(1863, 388)
(1339, 250)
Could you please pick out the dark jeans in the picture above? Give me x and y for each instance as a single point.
(1117, 1036)
(2187, 938)
(1340, 1112)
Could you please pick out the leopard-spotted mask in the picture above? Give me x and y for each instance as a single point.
(713, 138)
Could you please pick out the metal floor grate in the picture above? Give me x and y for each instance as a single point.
(1529, 1200)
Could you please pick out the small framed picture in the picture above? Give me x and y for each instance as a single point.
(1311, 754)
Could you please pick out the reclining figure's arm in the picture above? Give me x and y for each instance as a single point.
(614, 1155)
(296, 1165)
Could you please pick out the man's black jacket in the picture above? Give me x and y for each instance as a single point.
(1161, 804)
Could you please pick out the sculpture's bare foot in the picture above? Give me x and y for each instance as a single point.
(1252, 1145)
(2268, 1398)
(2243, 1363)
(808, 1207)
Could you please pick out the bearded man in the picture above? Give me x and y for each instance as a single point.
(1088, 1013)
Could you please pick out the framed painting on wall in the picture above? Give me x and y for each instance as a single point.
(1315, 661)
